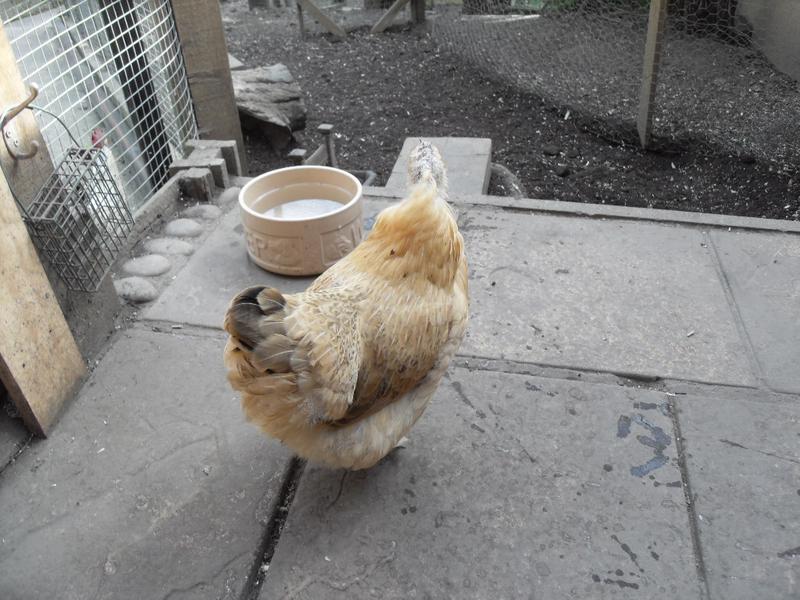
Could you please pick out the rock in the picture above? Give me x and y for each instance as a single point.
(234, 63)
(551, 150)
(208, 212)
(562, 170)
(149, 265)
(269, 99)
(229, 196)
(169, 246)
(135, 289)
(573, 153)
(747, 158)
(196, 183)
(183, 228)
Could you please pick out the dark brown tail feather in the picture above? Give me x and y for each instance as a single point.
(245, 317)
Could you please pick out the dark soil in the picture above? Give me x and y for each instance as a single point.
(379, 89)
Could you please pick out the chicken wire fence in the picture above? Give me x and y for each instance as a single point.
(114, 72)
(728, 75)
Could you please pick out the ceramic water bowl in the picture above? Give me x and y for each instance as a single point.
(301, 220)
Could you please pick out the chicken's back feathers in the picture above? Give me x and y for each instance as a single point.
(342, 371)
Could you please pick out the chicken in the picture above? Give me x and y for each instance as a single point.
(341, 372)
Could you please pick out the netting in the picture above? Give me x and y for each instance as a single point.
(113, 71)
(728, 75)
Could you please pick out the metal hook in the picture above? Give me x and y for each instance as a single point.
(12, 112)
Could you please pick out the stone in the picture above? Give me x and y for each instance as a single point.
(149, 265)
(207, 212)
(510, 487)
(569, 305)
(219, 269)
(169, 246)
(234, 63)
(229, 196)
(152, 479)
(611, 295)
(193, 182)
(551, 150)
(763, 272)
(270, 99)
(183, 228)
(573, 153)
(229, 150)
(13, 435)
(562, 170)
(135, 289)
(204, 158)
(743, 459)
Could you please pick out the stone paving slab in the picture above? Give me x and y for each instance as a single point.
(611, 295)
(468, 162)
(13, 436)
(622, 296)
(764, 274)
(151, 486)
(215, 273)
(511, 487)
(218, 270)
(744, 470)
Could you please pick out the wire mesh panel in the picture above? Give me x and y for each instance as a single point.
(112, 68)
(79, 220)
(728, 75)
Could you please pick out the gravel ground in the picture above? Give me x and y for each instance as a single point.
(377, 90)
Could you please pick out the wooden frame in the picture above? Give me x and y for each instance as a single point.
(40, 364)
(652, 57)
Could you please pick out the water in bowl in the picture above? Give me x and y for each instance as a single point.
(302, 209)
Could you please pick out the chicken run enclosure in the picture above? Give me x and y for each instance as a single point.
(113, 71)
(727, 75)
(726, 71)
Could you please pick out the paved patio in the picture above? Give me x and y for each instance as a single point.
(623, 420)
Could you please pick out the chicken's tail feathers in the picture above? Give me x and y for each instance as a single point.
(425, 166)
(254, 315)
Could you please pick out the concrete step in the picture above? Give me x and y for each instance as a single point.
(468, 162)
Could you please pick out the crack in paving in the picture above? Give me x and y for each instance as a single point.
(755, 365)
(694, 527)
(273, 530)
(21, 447)
(764, 452)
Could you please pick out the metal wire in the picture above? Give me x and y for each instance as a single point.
(728, 77)
(109, 65)
(78, 220)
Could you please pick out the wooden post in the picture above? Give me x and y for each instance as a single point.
(652, 58)
(418, 11)
(300, 21)
(40, 364)
(316, 12)
(389, 16)
(205, 54)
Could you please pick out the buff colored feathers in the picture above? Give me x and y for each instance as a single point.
(341, 372)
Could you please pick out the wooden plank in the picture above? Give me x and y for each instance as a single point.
(40, 364)
(652, 58)
(319, 157)
(418, 11)
(323, 19)
(205, 55)
(301, 22)
(27, 175)
(389, 16)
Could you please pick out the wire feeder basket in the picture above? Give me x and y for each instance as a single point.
(79, 219)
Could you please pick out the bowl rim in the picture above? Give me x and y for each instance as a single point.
(356, 198)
